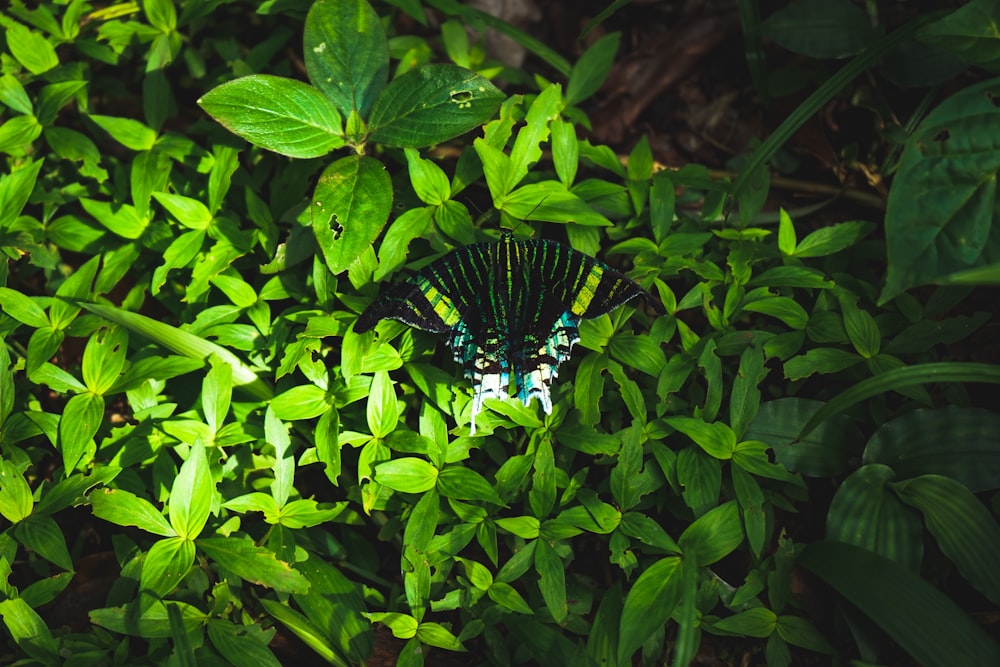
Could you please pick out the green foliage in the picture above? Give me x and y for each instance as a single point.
(182, 393)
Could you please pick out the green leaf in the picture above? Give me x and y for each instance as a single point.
(18, 133)
(525, 527)
(81, 418)
(241, 644)
(823, 452)
(801, 632)
(527, 149)
(757, 622)
(648, 605)
(700, 477)
(965, 530)
(166, 564)
(588, 387)
(305, 630)
(336, 604)
(15, 495)
(121, 219)
(23, 308)
(782, 307)
(407, 475)
(940, 221)
(640, 352)
(302, 402)
(346, 53)
(906, 376)
(431, 104)
(820, 28)
(281, 115)
(126, 131)
(185, 343)
(552, 580)
(969, 32)
(921, 619)
(550, 201)
(745, 397)
(192, 494)
(350, 205)
(590, 71)
(152, 622)
(13, 95)
(463, 483)
(866, 514)
(42, 535)
(104, 359)
(29, 631)
(124, 508)
(16, 187)
(435, 634)
(428, 179)
(823, 360)
(382, 412)
(714, 535)
(392, 253)
(507, 597)
(716, 438)
(648, 531)
(188, 211)
(832, 239)
(542, 496)
(624, 476)
(955, 441)
(565, 151)
(403, 626)
(31, 49)
(255, 564)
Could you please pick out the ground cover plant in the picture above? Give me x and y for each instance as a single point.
(786, 454)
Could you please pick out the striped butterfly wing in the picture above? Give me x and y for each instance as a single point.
(512, 310)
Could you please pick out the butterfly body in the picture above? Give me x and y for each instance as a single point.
(511, 309)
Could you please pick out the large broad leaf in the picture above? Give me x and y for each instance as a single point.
(351, 203)
(955, 441)
(943, 203)
(347, 54)
(866, 514)
(920, 618)
(282, 115)
(431, 104)
(962, 526)
(823, 452)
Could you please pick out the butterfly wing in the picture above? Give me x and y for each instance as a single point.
(434, 299)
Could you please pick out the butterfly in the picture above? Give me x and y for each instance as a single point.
(511, 310)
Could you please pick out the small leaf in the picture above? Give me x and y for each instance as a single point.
(407, 475)
(166, 563)
(124, 508)
(281, 115)
(714, 535)
(126, 131)
(255, 564)
(192, 494)
(757, 622)
(590, 71)
(30, 48)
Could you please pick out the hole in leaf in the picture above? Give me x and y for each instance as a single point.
(943, 135)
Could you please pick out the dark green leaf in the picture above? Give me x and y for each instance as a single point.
(552, 580)
(81, 418)
(648, 605)
(241, 645)
(346, 53)
(964, 529)
(926, 623)
(350, 205)
(431, 104)
(165, 565)
(866, 514)
(714, 535)
(592, 68)
(463, 483)
(29, 631)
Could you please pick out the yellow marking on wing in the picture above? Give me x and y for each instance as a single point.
(442, 305)
(587, 292)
